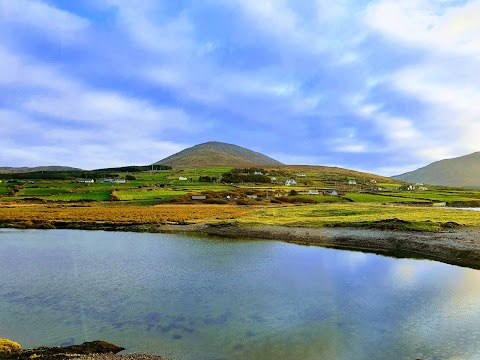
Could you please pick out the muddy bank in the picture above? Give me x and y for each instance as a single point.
(454, 245)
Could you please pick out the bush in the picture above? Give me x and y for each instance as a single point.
(215, 201)
(8, 346)
(130, 177)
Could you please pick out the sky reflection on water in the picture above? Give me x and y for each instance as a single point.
(196, 298)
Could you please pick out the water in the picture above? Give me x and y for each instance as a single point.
(195, 298)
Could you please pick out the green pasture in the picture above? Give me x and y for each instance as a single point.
(360, 215)
(374, 198)
(43, 191)
(435, 196)
(129, 195)
(92, 196)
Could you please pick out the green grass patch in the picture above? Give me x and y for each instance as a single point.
(435, 196)
(361, 215)
(92, 196)
(41, 191)
(374, 198)
(148, 194)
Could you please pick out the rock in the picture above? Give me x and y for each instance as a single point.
(64, 352)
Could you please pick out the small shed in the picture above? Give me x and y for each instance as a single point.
(182, 178)
(199, 197)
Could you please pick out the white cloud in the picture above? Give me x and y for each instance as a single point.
(46, 19)
(428, 25)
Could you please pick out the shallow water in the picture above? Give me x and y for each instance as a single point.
(197, 298)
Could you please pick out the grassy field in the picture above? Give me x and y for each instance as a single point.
(354, 206)
(161, 194)
(378, 198)
(418, 218)
(123, 214)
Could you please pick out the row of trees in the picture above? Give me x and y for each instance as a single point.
(254, 175)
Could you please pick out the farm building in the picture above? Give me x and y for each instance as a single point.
(290, 182)
(199, 197)
(86, 181)
(352, 182)
(406, 188)
(182, 178)
(301, 175)
(331, 192)
(313, 192)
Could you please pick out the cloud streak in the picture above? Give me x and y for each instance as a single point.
(382, 86)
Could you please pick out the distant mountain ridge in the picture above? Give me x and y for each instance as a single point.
(24, 169)
(463, 171)
(217, 154)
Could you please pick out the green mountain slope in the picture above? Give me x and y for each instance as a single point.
(216, 154)
(463, 171)
(18, 170)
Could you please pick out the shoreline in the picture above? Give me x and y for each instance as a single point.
(457, 246)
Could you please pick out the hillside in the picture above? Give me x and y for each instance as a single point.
(216, 154)
(336, 173)
(463, 171)
(19, 170)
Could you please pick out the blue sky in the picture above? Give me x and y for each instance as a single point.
(381, 86)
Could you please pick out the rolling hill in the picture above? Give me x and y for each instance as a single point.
(19, 170)
(216, 154)
(463, 171)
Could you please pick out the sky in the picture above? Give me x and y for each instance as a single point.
(382, 86)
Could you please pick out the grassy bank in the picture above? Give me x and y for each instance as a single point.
(318, 215)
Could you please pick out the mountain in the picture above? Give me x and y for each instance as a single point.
(18, 170)
(216, 154)
(463, 171)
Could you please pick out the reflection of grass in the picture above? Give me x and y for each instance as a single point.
(420, 218)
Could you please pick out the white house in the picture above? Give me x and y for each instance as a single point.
(182, 178)
(313, 192)
(86, 181)
(290, 182)
(199, 197)
(257, 173)
(352, 182)
(301, 175)
(331, 192)
(273, 179)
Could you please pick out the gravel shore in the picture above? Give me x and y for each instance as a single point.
(459, 246)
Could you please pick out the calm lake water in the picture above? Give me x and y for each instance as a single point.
(196, 298)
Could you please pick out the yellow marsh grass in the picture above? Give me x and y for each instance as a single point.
(8, 346)
(304, 215)
(324, 214)
(123, 214)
